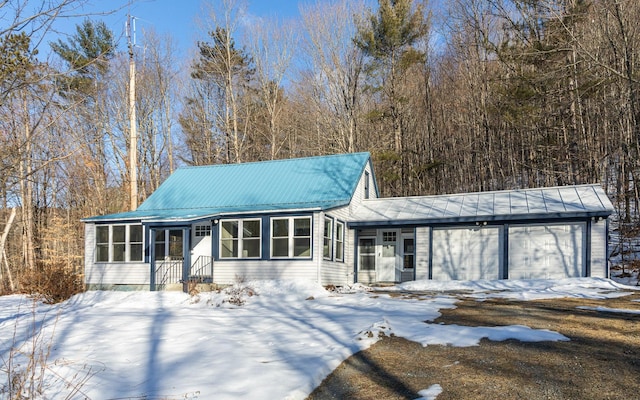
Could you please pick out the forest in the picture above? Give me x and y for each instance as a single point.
(455, 96)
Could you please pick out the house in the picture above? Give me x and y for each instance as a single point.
(321, 218)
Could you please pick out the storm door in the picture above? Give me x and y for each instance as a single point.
(388, 268)
(168, 257)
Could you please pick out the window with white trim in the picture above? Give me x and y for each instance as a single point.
(119, 243)
(240, 238)
(339, 241)
(291, 237)
(327, 245)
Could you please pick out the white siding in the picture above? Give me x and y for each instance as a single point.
(468, 253)
(551, 251)
(358, 195)
(422, 253)
(89, 249)
(106, 274)
(227, 272)
(599, 249)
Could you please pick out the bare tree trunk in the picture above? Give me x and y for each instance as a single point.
(3, 254)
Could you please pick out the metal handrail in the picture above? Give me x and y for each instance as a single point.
(202, 269)
(169, 271)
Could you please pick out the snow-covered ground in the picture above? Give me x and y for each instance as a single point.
(279, 345)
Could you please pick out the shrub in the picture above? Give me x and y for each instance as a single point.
(52, 282)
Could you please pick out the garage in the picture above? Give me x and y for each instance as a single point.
(466, 253)
(542, 233)
(551, 251)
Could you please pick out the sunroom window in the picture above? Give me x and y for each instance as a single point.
(119, 243)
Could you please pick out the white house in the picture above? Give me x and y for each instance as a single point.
(320, 218)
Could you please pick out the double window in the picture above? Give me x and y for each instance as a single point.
(119, 243)
(291, 237)
(240, 238)
(333, 240)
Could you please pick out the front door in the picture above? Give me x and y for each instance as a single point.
(388, 268)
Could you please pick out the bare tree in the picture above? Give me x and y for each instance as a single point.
(335, 69)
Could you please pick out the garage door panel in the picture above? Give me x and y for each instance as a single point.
(546, 251)
(466, 253)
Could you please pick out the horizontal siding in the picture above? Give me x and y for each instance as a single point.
(89, 248)
(599, 249)
(335, 273)
(228, 272)
(118, 274)
(422, 253)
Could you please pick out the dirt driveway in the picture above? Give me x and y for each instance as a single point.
(601, 361)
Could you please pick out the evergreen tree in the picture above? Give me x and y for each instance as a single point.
(389, 40)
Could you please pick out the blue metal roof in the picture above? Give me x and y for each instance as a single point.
(302, 183)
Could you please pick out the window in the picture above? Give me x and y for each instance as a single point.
(175, 243)
(240, 238)
(339, 241)
(367, 251)
(119, 243)
(169, 244)
(327, 245)
(408, 248)
(160, 244)
(291, 237)
(102, 243)
(135, 242)
(203, 230)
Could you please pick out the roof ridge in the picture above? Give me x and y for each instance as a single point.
(262, 162)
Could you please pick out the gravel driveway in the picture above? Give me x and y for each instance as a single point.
(601, 361)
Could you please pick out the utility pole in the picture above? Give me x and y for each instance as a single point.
(133, 134)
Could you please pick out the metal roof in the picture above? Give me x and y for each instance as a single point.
(294, 184)
(509, 205)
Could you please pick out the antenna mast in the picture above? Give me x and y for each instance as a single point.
(133, 134)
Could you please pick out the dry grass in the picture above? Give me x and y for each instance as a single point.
(601, 361)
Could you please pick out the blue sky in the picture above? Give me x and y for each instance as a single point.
(176, 17)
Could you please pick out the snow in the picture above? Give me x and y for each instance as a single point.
(431, 393)
(285, 339)
(610, 310)
(530, 289)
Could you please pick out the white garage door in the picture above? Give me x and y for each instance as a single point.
(546, 251)
(466, 253)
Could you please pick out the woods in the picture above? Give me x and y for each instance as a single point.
(465, 95)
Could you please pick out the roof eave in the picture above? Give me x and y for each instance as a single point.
(481, 219)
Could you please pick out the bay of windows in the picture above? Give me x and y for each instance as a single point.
(119, 243)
